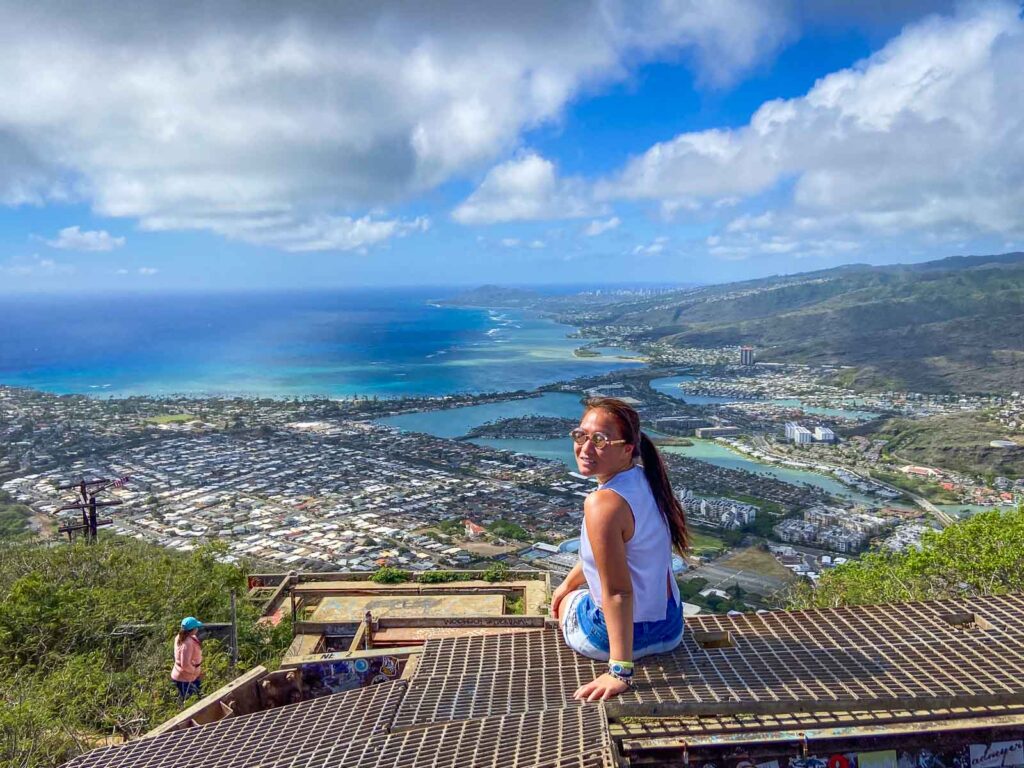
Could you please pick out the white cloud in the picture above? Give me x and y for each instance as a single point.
(753, 241)
(598, 227)
(36, 266)
(748, 222)
(653, 248)
(515, 242)
(262, 121)
(672, 206)
(526, 188)
(288, 233)
(146, 271)
(922, 137)
(726, 37)
(74, 239)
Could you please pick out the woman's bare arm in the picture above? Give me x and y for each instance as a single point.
(609, 524)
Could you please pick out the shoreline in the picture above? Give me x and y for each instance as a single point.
(370, 390)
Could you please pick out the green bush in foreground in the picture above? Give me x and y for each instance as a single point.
(496, 572)
(67, 680)
(982, 555)
(388, 575)
(440, 577)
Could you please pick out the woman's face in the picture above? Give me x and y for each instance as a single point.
(605, 462)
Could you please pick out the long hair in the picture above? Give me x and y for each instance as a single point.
(183, 635)
(654, 468)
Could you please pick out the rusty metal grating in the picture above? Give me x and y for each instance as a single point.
(839, 659)
(871, 625)
(706, 725)
(565, 738)
(505, 701)
(438, 699)
(316, 732)
(456, 656)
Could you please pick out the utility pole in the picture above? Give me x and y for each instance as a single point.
(234, 631)
(88, 504)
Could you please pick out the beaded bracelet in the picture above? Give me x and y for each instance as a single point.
(620, 669)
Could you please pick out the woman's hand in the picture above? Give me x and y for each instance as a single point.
(603, 688)
(557, 597)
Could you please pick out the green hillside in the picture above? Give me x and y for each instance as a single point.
(67, 681)
(980, 556)
(959, 442)
(950, 325)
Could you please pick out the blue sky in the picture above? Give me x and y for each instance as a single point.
(222, 146)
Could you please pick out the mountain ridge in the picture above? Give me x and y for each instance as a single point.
(949, 325)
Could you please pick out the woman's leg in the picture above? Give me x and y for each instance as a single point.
(578, 628)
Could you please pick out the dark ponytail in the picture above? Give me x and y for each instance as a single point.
(654, 468)
(657, 478)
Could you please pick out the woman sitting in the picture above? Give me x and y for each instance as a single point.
(620, 602)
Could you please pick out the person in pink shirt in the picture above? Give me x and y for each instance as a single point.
(188, 659)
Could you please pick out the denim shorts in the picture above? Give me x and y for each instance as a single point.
(585, 631)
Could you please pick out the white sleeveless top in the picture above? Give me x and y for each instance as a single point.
(648, 553)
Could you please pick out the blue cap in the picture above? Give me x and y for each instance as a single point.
(190, 622)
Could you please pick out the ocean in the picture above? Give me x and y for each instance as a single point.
(385, 343)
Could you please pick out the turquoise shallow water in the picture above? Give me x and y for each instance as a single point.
(966, 510)
(669, 385)
(455, 422)
(845, 413)
(336, 343)
(716, 453)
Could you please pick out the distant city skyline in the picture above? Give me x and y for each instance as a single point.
(230, 146)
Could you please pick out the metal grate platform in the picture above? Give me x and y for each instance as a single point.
(565, 738)
(537, 649)
(438, 699)
(505, 701)
(913, 654)
(317, 732)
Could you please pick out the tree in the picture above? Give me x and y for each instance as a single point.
(979, 556)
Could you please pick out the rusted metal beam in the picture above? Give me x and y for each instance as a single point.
(184, 718)
(534, 622)
(617, 709)
(335, 588)
(819, 734)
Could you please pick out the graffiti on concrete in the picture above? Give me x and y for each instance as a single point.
(322, 678)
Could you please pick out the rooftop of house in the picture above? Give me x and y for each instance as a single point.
(908, 670)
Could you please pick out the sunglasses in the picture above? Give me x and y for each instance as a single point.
(599, 439)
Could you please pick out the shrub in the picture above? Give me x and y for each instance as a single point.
(439, 577)
(389, 575)
(496, 572)
(515, 606)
